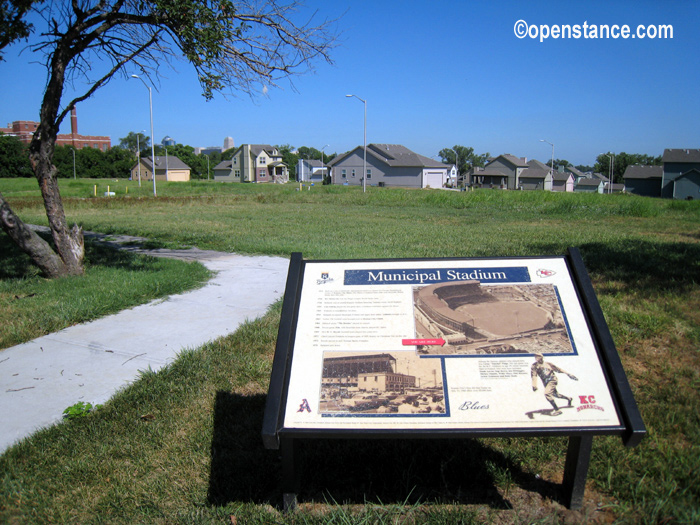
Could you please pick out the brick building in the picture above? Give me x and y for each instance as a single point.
(24, 131)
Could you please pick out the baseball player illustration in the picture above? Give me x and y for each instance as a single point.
(547, 372)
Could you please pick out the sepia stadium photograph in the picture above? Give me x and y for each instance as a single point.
(474, 319)
(400, 383)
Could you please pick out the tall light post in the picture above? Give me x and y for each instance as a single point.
(611, 170)
(323, 161)
(138, 156)
(364, 158)
(153, 149)
(456, 166)
(542, 140)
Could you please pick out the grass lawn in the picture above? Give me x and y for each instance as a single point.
(183, 445)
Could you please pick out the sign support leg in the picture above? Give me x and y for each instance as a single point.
(290, 481)
(578, 458)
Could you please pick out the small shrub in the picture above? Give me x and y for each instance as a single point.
(80, 409)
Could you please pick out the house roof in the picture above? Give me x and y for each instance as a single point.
(173, 163)
(224, 165)
(589, 182)
(489, 172)
(394, 155)
(314, 163)
(681, 155)
(644, 172)
(515, 161)
(257, 149)
(600, 176)
(562, 176)
(576, 172)
(535, 170)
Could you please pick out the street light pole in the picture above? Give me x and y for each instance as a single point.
(323, 162)
(552, 170)
(153, 149)
(138, 156)
(364, 159)
(611, 171)
(456, 166)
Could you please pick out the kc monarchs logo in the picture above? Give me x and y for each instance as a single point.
(545, 273)
(588, 402)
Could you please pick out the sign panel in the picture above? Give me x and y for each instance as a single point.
(446, 344)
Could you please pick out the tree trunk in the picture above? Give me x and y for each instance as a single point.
(69, 242)
(29, 242)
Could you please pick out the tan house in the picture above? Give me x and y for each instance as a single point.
(253, 163)
(168, 168)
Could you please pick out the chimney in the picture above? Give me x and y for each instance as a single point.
(73, 122)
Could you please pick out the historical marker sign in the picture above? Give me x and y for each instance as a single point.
(508, 346)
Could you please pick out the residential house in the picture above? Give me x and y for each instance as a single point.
(678, 178)
(592, 185)
(487, 178)
(537, 176)
(616, 188)
(388, 165)
(563, 181)
(644, 180)
(501, 172)
(168, 168)
(681, 174)
(578, 174)
(311, 170)
(253, 163)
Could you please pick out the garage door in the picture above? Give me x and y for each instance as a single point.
(433, 179)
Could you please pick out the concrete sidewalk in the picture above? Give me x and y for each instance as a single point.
(90, 362)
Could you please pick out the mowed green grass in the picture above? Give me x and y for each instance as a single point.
(183, 445)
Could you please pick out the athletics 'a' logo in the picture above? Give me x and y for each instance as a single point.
(545, 273)
(304, 406)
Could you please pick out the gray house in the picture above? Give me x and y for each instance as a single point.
(578, 174)
(563, 181)
(644, 180)
(310, 170)
(537, 176)
(388, 165)
(681, 175)
(502, 172)
(593, 185)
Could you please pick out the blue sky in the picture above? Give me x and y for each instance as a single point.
(434, 74)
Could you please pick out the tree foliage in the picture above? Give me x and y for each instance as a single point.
(559, 163)
(463, 157)
(14, 159)
(233, 46)
(13, 26)
(134, 142)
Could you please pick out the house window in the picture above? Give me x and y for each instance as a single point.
(344, 174)
(353, 174)
(263, 160)
(235, 160)
(237, 174)
(369, 174)
(261, 174)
